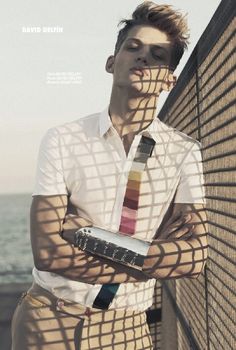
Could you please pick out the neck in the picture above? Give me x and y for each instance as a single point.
(131, 114)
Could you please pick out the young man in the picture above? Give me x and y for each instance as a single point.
(124, 171)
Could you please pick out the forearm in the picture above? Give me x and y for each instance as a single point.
(75, 264)
(176, 258)
(166, 259)
(54, 254)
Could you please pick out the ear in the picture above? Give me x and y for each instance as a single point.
(110, 64)
(169, 82)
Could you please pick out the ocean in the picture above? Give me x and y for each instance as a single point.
(16, 259)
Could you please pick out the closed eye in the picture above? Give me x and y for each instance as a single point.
(159, 57)
(158, 54)
(132, 47)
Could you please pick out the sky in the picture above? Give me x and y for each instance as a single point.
(52, 69)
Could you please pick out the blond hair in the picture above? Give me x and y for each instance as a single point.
(163, 17)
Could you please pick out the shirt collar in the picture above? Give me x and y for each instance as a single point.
(105, 124)
(104, 121)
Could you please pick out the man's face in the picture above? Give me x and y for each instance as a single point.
(142, 63)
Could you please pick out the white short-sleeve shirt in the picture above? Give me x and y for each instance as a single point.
(86, 160)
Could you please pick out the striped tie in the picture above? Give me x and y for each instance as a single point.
(131, 199)
(129, 210)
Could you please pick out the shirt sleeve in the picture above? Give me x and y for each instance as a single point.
(191, 184)
(49, 172)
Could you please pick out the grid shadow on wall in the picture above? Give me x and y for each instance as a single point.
(201, 312)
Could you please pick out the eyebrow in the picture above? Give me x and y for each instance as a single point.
(157, 46)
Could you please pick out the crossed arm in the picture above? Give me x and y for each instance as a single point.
(179, 249)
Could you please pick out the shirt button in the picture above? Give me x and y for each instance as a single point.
(60, 303)
(87, 312)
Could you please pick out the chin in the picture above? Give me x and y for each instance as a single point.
(144, 88)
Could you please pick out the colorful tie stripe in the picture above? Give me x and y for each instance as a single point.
(129, 211)
(131, 199)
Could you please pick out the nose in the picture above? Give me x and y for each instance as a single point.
(141, 60)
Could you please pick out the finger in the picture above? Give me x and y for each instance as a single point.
(186, 236)
(175, 223)
(170, 229)
(178, 231)
(172, 220)
(187, 217)
(178, 223)
(184, 218)
(174, 227)
(184, 231)
(180, 217)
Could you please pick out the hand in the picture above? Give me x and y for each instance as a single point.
(178, 227)
(71, 224)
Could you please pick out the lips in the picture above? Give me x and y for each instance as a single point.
(139, 71)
